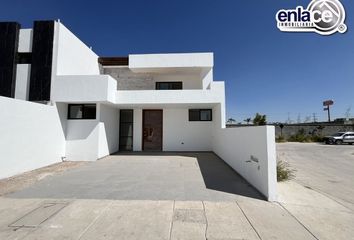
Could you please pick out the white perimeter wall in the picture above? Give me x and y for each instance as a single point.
(31, 136)
(73, 56)
(179, 134)
(241, 148)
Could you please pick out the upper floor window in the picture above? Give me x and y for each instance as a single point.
(168, 85)
(82, 111)
(200, 115)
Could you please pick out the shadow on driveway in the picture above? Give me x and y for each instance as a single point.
(192, 176)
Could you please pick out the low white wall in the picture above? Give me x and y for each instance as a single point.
(31, 136)
(251, 152)
(179, 134)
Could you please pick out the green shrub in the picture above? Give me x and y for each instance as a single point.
(280, 139)
(284, 173)
(317, 138)
(300, 136)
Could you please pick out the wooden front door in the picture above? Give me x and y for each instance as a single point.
(152, 130)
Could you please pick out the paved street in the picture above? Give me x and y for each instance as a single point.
(328, 169)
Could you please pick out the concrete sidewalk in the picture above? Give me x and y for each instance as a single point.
(300, 214)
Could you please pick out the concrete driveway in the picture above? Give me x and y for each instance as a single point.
(162, 176)
(328, 169)
(137, 197)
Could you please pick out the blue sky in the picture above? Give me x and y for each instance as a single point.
(265, 70)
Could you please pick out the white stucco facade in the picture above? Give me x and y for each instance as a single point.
(31, 136)
(109, 86)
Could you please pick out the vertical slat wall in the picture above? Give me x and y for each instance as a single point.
(42, 55)
(9, 35)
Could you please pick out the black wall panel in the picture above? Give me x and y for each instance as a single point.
(9, 34)
(42, 54)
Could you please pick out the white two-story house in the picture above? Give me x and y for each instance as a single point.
(147, 102)
(59, 101)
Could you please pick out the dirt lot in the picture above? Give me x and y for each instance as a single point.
(21, 181)
(328, 169)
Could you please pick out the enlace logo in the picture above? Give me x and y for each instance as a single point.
(324, 17)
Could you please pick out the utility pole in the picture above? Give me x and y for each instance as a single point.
(299, 118)
(314, 117)
(289, 120)
(347, 113)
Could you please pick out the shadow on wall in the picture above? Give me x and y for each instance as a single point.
(219, 176)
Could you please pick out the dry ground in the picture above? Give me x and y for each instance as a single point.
(21, 181)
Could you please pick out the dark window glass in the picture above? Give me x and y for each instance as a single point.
(126, 116)
(194, 115)
(205, 115)
(162, 86)
(89, 111)
(82, 111)
(168, 85)
(75, 112)
(24, 58)
(200, 115)
(126, 130)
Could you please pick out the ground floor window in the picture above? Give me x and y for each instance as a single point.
(82, 111)
(200, 115)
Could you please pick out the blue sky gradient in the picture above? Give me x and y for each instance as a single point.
(265, 70)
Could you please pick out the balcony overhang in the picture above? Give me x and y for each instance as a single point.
(84, 89)
(163, 63)
(211, 97)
